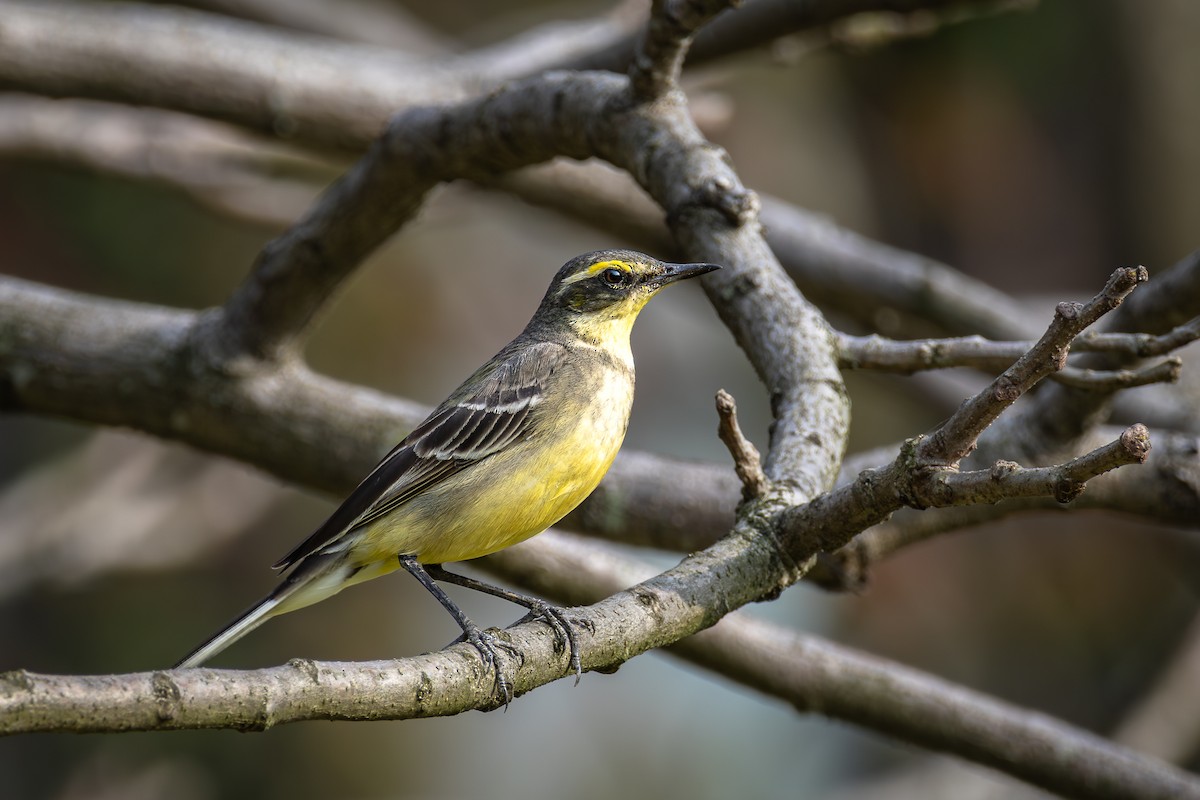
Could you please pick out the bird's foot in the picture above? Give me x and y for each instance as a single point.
(488, 645)
(563, 626)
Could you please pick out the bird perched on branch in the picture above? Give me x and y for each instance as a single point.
(510, 452)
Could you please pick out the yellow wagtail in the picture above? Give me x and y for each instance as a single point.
(522, 442)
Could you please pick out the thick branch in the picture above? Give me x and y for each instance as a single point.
(807, 672)
(1171, 301)
(819, 676)
(835, 267)
(335, 93)
(816, 676)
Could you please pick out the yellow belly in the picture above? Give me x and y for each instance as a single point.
(513, 495)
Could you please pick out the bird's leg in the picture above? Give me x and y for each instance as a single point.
(553, 616)
(483, 641)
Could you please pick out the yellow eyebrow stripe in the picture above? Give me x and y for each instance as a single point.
(596, 268)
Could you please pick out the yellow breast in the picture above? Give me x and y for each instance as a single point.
(510, 496)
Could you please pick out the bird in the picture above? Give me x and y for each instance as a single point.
(510, 452)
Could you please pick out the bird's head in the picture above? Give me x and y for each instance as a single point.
(600, 294)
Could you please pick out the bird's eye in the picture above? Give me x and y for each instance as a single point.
(615, 277)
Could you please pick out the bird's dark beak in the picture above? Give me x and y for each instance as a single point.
(679, 272)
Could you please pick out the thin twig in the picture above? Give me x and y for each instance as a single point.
(958, 435)
(890, 355)
(1060, 414)
(1064, 483)
(1096, 380)
(746, 461)
(832, 520)
(1141, 345)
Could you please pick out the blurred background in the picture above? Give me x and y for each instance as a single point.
(1035, 151)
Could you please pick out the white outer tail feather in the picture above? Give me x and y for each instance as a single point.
(234, 631)
(317, 577)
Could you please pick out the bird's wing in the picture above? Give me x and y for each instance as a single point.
(471, 425)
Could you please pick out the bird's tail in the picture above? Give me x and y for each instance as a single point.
(253, 617)
(314, 579)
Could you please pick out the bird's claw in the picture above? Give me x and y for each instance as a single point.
(487, 644)
(564, 633)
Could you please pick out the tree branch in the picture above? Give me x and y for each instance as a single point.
(746, 461)
(908, 356)
(1109, 381)
(809, 673)
(817, 676)
(1165, 489)
(221, 167)
(836, 268)
(244, 354)
(125, 364)
(958, 435)
(519, 124)
(833, 266)
(658, 59)
(759, 22)
(336, 93)
(916, 476)
(1061, 414)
